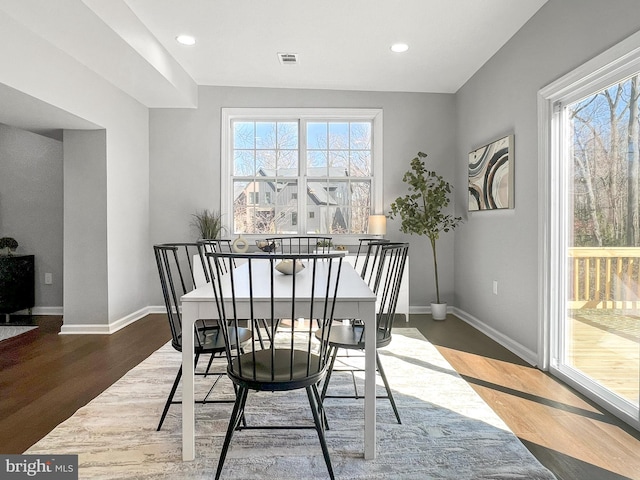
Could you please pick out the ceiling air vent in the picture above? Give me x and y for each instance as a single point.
(288, 58)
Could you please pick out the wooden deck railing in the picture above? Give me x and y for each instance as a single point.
(605, 277)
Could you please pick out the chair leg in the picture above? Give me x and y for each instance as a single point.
(386, 385)
(329, 371)
(257, 327)
(319, 429)
(323, 413)
(213, 355)
(173, 392)
(170, 399)
(236, 415)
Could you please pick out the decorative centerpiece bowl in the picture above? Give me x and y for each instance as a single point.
(289, 267)
(267, 246)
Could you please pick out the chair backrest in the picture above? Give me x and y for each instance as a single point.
(369, 250)
(390, 262)
(175, 263)
(257, 290)
(220, 245)
(300, 244)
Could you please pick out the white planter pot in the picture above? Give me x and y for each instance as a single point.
(439, 311)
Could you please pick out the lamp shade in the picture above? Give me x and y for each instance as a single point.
(377, 225)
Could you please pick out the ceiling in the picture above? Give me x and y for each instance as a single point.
(342, 44)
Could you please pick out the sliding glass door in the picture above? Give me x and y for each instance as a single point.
(598, 333)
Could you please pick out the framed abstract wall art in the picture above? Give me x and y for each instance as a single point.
(491, 176)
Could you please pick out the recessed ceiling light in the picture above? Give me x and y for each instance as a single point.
(399, 47)
(186, 39)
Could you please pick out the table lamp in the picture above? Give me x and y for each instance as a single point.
(377, 225)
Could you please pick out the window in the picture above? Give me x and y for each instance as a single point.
(279, 162)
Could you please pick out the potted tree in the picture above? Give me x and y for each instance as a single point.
(422, 213)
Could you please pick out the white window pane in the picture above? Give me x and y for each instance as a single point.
(359, 219)
(361, 194)
(243, 163)
(241, 218)
(265, 220)
(360, 136)
(338, 193)
(266, 135)
(319, 224)
(340, 221)
(285, 193)
(288, 135)
(317, 135)
(283, 220)
(243, 135)
(360, 164)
(317, 163)
(338, 163)
(287, 163)
(338, 135)
(266, 163)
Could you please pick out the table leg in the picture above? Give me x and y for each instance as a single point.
(189, 316)
(370, 382)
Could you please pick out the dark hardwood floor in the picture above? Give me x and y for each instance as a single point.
(46, 377)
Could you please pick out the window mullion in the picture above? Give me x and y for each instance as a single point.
(302, 177)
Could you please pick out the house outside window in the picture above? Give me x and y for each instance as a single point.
(279, 162)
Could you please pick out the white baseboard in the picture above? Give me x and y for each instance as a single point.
(106, 329)
(521, 351)
(420, 309)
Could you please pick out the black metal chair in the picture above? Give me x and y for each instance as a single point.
(175, 263)
(221, 245)
(369, 251)
(293, 361)
(389, 260)
(364, 252)
(300, 244)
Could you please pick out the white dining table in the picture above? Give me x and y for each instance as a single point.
(354, 300)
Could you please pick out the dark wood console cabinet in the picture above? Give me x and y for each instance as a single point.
(17, 280)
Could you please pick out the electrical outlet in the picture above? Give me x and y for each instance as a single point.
(495, 287)
(48, 278)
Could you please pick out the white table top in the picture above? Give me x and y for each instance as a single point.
(350, 289)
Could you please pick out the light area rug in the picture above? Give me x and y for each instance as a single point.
(448, 432)
(10, 331)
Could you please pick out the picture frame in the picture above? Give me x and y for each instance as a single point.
(491, 175)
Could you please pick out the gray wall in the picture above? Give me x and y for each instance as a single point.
(113, 217)
(501, 99)
(184, 155)
(31, 206)
(85, 227)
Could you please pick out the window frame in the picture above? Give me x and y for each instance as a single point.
(229, 115)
